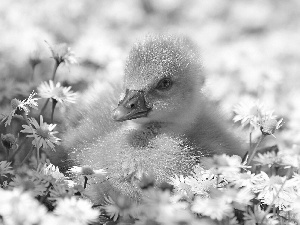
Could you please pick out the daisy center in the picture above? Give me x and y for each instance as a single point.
(43, 131)
(253, 110)
(59, 93)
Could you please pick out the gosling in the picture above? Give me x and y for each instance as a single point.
(163, 123)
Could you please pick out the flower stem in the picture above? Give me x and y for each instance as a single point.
(255, 149)
(250, 141)
(15, 152)
(26, 118)
(53, 107)
(38, 156)
(85, 182)
(277, 194)
(56, 64)
(33, 70)
(6, 153)
(27, 156)
(44, 107)
(47, 192)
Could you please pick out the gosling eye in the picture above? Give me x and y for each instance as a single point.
(164, 84)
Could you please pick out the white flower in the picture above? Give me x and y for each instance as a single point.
(50, 169)
(10, 88)
(217, 207)
(9, 141)
(42, 133)
(290, 156)
(294, 182)
(181, 186)
(112, 209)
(268, 189)
(61, 94)
(78, 211)
(258, 181)
(242, 198)
(250, 113)
(5, 168)
(20, 107)
(267, 158)
(269, 126)
(19, 207)
(87, 171)
(35, 57)
(164, 208)
(256, 217)
(201, 181)
(70, 183)
(51, 219)
(173, 213)
(63, 54)
(229, 166)
(296, 208)
(243, 180)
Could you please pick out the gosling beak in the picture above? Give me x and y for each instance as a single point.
(132, 106)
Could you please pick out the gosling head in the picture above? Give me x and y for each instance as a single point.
(163, 80)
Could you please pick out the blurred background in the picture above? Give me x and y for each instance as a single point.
(250, 49)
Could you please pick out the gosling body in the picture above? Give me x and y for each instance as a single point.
(161, 126)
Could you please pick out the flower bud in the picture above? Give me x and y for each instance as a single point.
(15, 103)
(9, 141)
(146, 181)
(35, 58)
(269, 126)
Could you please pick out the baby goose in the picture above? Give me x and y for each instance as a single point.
(163, 81)
(167, 121)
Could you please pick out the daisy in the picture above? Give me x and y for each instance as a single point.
(37, 187)
(268, 190)
(114, 210)
(174, 213)
(228, 166)
(164, 208)
(269, 126)
(258, 181)
(50, 169)
(294, 181)
(19, 107)
(180, 186)
(9, 141)
(42, 133)
(218, 207)
(35, 58)
(10, 88)
(51, 219)
(78, 211)
(257, 215)
(147, 181)
(242, 198)
(57, 92)
(249, 113)
(296, 208)
(60, 191)
(63, 54)
(5, 168)
(268, 158)
(243, 180)
(18, 207)
(290, 156)
(201, 181)
(87, 171)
